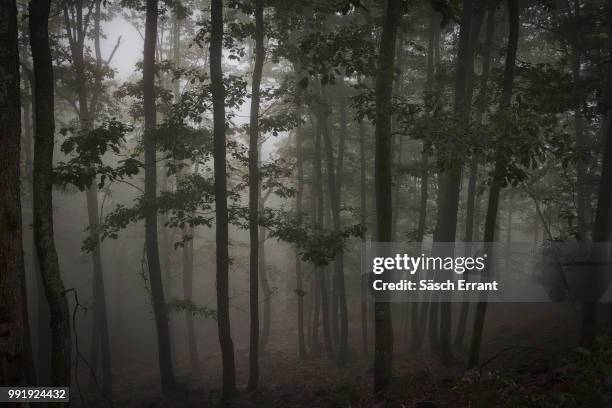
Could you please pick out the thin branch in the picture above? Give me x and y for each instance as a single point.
(112, 54)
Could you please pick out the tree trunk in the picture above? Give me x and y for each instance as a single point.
(33, 378)
(298, 263)
(254, 197)
(265, 289)
(100, 317)
(470, 218)
(601, 233)
(320, 209)
(222, 238)
(100, 338)
(601, 227)
(194, 357)
(44, 125)
(334, 193)
(315, 346)
(13, 303)
(164, 255)
(583, 206)
(420, 310)
(364, 222)
(498, 177)
(383, 348)
(152, 250)
(398, 144)
(446, 223)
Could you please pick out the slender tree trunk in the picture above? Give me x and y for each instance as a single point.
(13, 303)
(334, 187)
(397, 90)
(364, 222)
(194, 357)
(219, 153)
(76, 33)
(100, 315)
(265, 289)
(166, 264)
(470, 219)
(298, 263)
(254, 197)
(315, 346)
(40, 363)
(601, 233)
(28, 141)
(320, 205)
(583, 207)
(498, 176)
(44, 124)
(601, 226)
(383, 348)
(446, 225)
(509, 239)
(420, 310)
(152, 250)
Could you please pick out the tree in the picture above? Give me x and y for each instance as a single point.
(481, 105)
(450, 179)
(499, 173)
(219, 152)
(44, 125)
(383, 327)
(150, 196)
(601, 227)
(13, 306)
(334, 187)
(77, 31)
(298, 262)
(254, 196)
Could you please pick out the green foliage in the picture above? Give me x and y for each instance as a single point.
(86, 150)
(580, 379)
(316, 246)
(517, 140)
(133, 91)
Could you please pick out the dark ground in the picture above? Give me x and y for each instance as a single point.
(529, 359)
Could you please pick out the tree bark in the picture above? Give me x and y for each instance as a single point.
(364, 221)
(446, 223)
(334, 194)
(298, 263)
(383, 348)
(601, 227)
(498, 176)
(470, 217)
(77, 33)
(44, 125)
(194, 357)
(583, 205)
(13, 304)
(265, 288)
(150, 195)
(222, 238)
(254, 196)
(33, 375)
(420, 310)
(601, 233)
(320, 209)
(315, 293)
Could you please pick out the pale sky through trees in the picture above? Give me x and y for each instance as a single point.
(129, 54)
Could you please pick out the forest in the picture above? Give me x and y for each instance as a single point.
(189, 190)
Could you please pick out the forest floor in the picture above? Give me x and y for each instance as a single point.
(537, 368)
